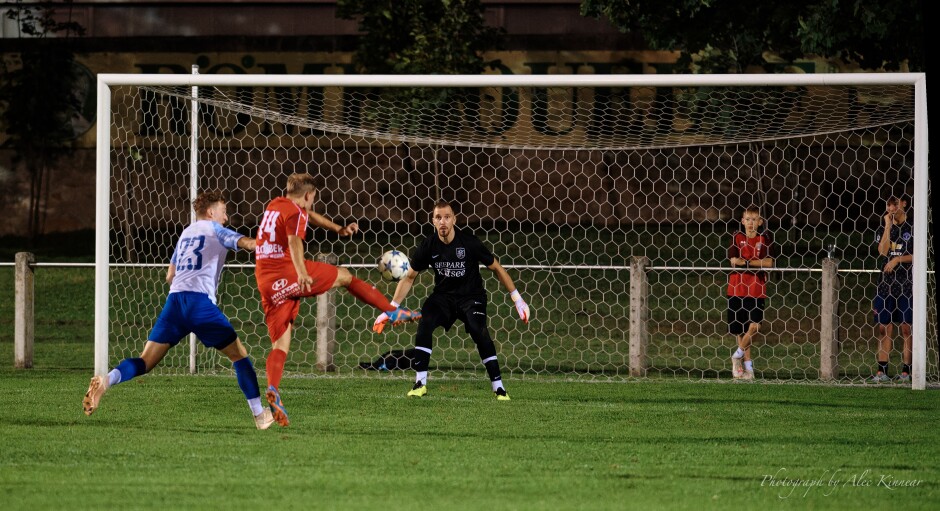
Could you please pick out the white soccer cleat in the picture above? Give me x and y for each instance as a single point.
(96, 389)
(748, 375)
(264, 419)
(737, 368)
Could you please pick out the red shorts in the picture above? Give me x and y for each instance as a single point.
(281, 294)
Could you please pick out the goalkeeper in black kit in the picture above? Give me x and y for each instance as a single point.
(455, 257)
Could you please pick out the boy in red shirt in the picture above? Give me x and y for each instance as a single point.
(747, 289)
(284, 276)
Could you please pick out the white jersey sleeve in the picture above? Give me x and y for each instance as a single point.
(199, 256)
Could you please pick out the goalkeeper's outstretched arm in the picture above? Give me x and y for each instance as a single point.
(404, 287)
(502, 275)
(521, 307)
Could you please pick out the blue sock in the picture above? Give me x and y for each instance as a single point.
(131, 367)
(247, 378)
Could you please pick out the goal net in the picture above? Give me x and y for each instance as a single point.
(611, 200)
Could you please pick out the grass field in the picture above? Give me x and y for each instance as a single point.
(188, 442)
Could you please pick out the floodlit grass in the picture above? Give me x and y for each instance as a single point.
(64, 313)
(188, 442)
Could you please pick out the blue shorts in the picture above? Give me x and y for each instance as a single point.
(186, 312)
(893, 309)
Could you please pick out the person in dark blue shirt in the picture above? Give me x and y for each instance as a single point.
(893, 302)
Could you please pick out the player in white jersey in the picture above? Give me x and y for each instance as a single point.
(197, 260)
(191, 307)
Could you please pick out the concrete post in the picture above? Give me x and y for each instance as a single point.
(639, 315)
(24, 311)
(326, 321)
(829, 324)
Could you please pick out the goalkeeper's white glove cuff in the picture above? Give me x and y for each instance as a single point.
(515, 296)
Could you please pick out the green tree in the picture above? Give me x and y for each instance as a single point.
(37, 99)
(731, 35)
(418, 37)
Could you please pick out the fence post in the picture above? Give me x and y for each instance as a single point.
(639, 315)
(326, 321)
(829, 324)
(24, 308)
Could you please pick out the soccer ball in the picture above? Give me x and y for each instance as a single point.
(393, 265)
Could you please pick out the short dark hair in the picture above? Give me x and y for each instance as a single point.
(753, 208)
(205, 200)
(441, 203)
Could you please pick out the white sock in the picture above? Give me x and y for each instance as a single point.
(739, 353)
(114, 377)
(255, 405)
(422, 377)
(498, 384)
(749, 365)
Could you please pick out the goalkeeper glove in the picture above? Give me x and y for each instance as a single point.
(521, 306)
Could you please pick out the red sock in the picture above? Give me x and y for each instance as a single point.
(275, 367)
(366, 292)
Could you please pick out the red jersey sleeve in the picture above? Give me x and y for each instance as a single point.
(735, 250)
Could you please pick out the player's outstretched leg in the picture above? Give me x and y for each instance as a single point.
(367, 293)
(394, 318)
(96, 389)
(400, 315)
(277, 407)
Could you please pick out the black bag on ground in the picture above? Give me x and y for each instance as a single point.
(391, 360)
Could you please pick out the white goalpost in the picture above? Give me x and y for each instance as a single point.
(610, 198)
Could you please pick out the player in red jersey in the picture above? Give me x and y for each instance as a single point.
(284, 276)
(747, 288)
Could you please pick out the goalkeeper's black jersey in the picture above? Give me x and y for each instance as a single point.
(456, 265)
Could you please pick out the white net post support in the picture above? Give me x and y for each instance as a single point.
(537, 199)
(193, 192)
(326, 322)
(921, 204)
(102, 227)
